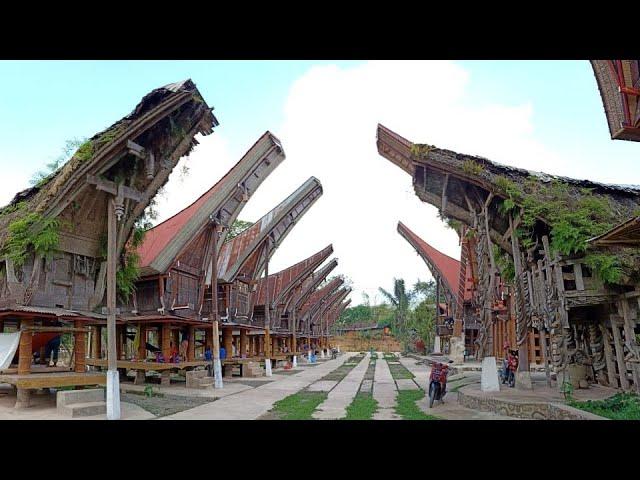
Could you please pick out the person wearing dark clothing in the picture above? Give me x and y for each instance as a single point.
(52, 349)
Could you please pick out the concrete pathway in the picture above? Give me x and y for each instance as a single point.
(384, 392)
(450, 409)
(251, 404)
(335, 406)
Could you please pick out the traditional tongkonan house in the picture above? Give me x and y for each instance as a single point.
(619, 84)
(334, 314)
(309, 308)
(241, 264)
(321, 316)
(532, 230)
(170, 306)
(446, 273)
(282, 286)
(63, 239)
(296, 301)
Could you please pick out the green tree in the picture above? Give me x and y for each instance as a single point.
(400, 299)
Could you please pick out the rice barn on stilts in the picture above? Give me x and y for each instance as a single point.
(528, 234)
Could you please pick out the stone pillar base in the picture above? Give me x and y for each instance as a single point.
(165, 378)
(267, 367)
(217, 373)
(140, 377)
(295, 361)
(523, 381)
(456, 349)
(113, 395)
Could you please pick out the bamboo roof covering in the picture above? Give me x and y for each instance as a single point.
(282, 282)
(441, 265)
(619, 85)
(244, 255)
(624, 234)
(223, 201)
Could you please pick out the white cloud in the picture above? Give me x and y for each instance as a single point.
(329, 132)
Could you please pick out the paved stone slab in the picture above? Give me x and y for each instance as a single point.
(406, 384)
(342, 395)
(322, 386)
(254, 402)
(384, 392)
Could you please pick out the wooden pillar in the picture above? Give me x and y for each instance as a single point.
(119, 336)
(112, 260)
(142, 347)
(191, 348)
(208, 338)
(166, 341)
(79, 348)
(274, 345)
(1, 325)
(243, 342)
(608, 356)
(293, 342)
(227, 340)
(96, 342)
(630, 340)
(266, 344)
(622, 367)
(24, 352)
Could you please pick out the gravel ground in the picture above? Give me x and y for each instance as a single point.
(164, 404)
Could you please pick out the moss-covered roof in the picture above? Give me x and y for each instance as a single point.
(102, 150)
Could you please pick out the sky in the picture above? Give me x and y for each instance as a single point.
(540, 115)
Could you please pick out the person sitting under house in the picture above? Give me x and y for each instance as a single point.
(223, 353)
(173, 356)
(208, 357)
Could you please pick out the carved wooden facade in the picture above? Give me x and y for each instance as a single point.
(589, 324)
(176, 255)
(89, 208)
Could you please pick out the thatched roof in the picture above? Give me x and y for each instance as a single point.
(165, 122)
(469, 179)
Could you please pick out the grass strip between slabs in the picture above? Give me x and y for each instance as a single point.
(399, 371)
(407, 408)
(298, 406)
(363, 407)
(343, 370)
